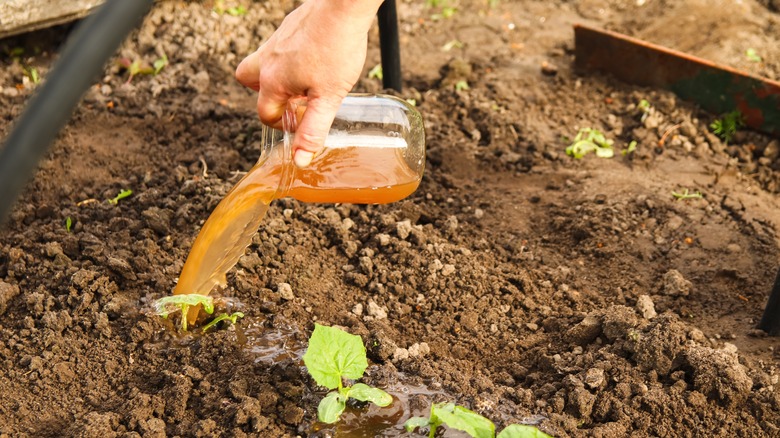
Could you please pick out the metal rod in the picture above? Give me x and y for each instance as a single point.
(389, 45)
(82, 60)
(770, 322)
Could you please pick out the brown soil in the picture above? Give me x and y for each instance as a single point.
(578, 295)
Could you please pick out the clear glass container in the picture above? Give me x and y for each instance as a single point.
(373, 154)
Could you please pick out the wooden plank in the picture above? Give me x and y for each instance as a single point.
(19, 16)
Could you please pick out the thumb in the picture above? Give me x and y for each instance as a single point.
(314, 127)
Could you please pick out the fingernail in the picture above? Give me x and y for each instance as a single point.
(303, 158)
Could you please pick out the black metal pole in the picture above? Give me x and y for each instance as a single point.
(81, 61)
(770, 322)
(389, 45)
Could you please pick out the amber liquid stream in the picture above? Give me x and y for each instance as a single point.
(359, 175)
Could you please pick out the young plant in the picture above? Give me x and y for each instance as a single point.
(728, 125)
(223, 317)
(455, 417)
(590, 140)
(752, 55)
(686, 195)
(334, 355)
(122, 195)
(68, 224)
(477, 426)
(181, 303)
(376, 72)
(462, 85)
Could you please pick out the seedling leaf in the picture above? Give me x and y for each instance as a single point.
(331, 407)
(753, 55)
(458, 417)
(160, 64)
(413, 423)
(376, 72)
(365, 393)
(590, 140)
(522, 431)
(165, 305)
(333, 354)
(222, 317)
(68, 223)
(122, 195)
(462, 85)
(728, 125)
(686, 195)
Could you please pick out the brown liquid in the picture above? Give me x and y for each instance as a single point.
(358, 175)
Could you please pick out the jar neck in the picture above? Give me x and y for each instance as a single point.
(276, 158)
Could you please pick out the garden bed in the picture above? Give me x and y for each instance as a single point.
(580, 295)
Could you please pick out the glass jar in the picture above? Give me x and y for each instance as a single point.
(373, 154)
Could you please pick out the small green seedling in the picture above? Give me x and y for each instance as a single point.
(477, 426)
(728, 125)
(334, 355)
(411, 101)
(182, 303)
(462, 85)
(645, 107)
(32, 73)
(631, 148)
(221, 9)
(451, 44)
(590, 140)
(685, 194)
(752, 55)
(376, 72)
(122, 195)
(455, 417)
(160, 64)
(223, 317)
(68, 224)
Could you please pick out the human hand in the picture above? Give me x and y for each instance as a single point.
(318, 52)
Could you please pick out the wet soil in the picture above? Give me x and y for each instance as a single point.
(579, 295)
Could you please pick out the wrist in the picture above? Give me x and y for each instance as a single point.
(359, 13)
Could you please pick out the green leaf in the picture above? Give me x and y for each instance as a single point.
(160, 63)
(458, 417)
(376, 72)
(605, 152)
(222, 317)
(363, 392)
(331, 407)
(68, 223)
(462, 85)
(413, 423)
(166, 305)
(522, 431)
(333, 354)
(122, 195)
(753, 55)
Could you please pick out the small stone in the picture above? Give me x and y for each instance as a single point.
(646, 307)
(357, 309)
(448, 270)
(532, 326)
(594, 378)
(403, 229)
(549, 69)
(400, 354)
(285, 291)
(479, 213)
(383, 239)
(420, 349)
(674, 284)
(733, 248)
(728, 347)
(375, 311)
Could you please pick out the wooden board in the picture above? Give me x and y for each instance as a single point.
(19, 16)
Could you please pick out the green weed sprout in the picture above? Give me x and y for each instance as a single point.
(333, 355)
(631, 148)
(68, 224)
(174, 303)
(752, 55)
(223, 317)
(376, 72)
(728, 125)
(462, 85)
(590, 140)
(477, 426)
(122, 195)
(159, 64)
(687, 195)
(455, 417)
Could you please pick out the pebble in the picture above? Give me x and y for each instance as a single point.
(375, 311)
(675, 284)
(285, 291)
(403, 229)
(479, 213)
(383, 239)
(420, 349)
(646, 307)
(357, 309)
(594, 378)
(447, 270)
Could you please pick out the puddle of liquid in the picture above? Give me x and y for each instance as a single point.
(271, 345)
(361, 175)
